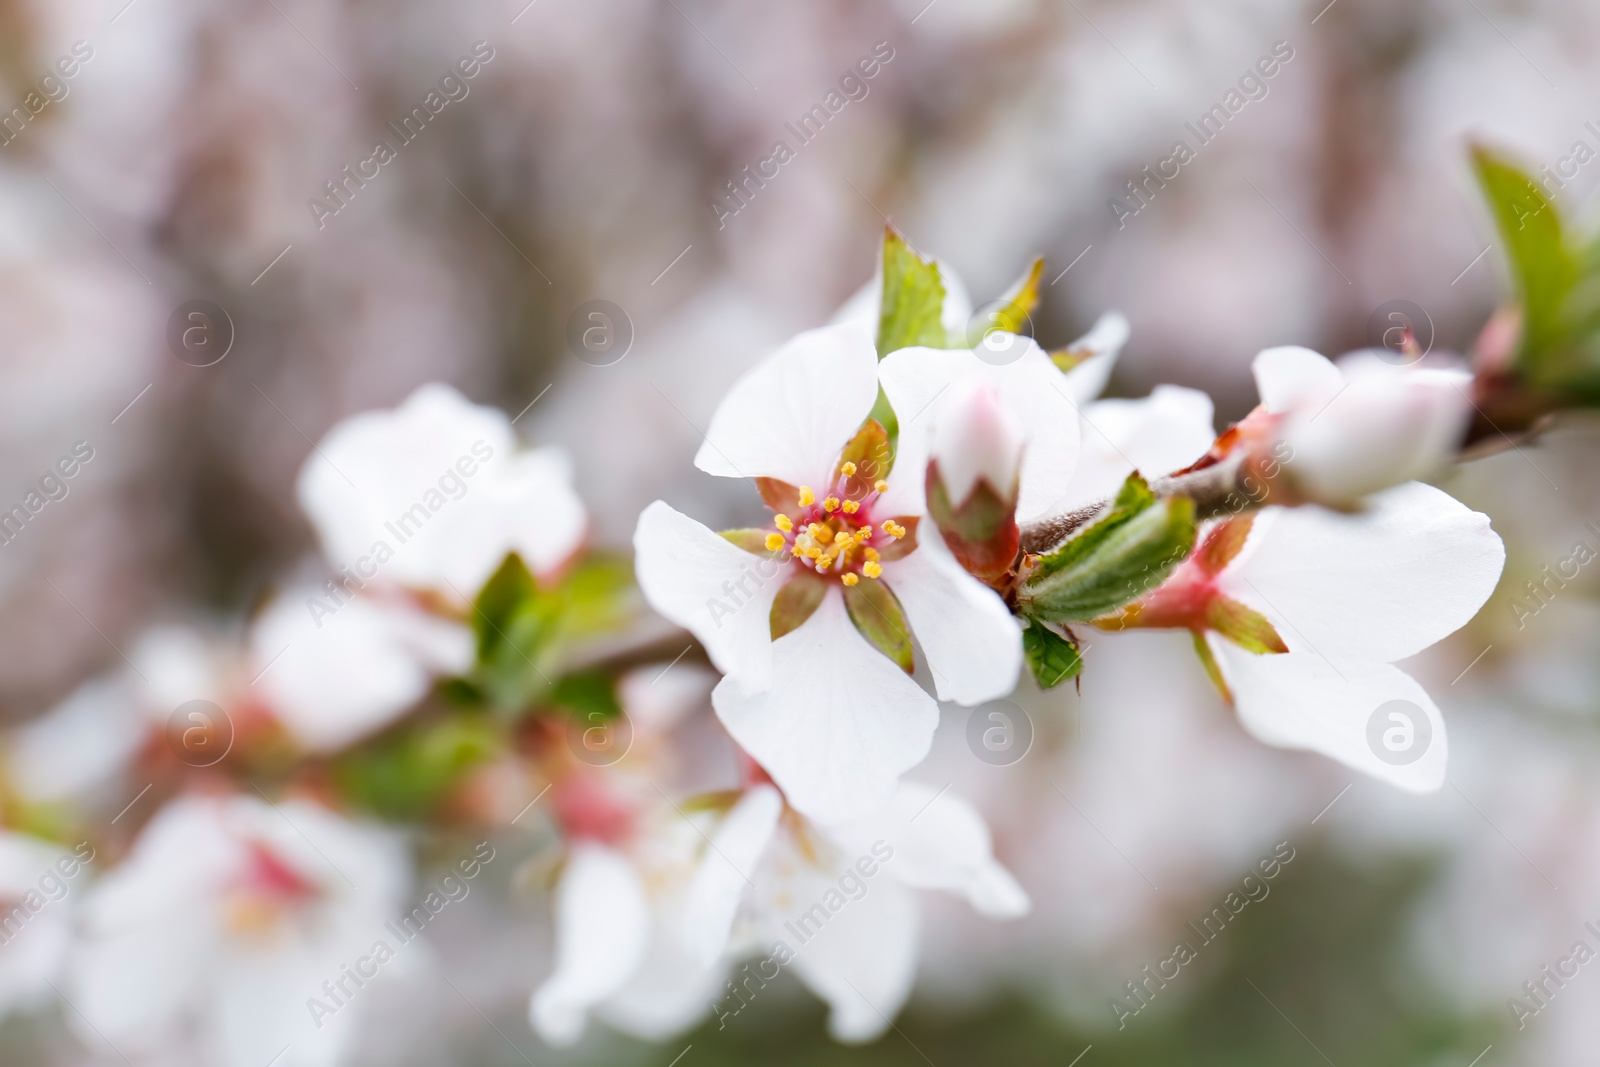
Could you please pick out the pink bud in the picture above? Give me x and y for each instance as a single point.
(975, 440)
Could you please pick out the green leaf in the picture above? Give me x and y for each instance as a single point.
(912, 309)
(1122, 555)
(876, 611)
(1052, 657)
(1543, 266)
(799, 598)
(1016, 307)
(505, 593)
(586, 693)
(406, 773)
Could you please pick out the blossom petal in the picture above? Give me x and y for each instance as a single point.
(1345, 711)
(1104, 343)
(840, 723)
(863, 960)
(941, 842)
(1032, 392)
(725, 872)
(1381, 585)
(972, 643)
(602, 931)
(1156, 435)
(1293, 377)
(719, 592)
(789, 416)
(530, 508)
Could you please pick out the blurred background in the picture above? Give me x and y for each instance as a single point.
(595, 156)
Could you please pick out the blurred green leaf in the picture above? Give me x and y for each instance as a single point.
(586, 693)
(1052, 657)
(407, 772)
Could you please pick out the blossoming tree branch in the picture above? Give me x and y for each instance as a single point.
(936, 514)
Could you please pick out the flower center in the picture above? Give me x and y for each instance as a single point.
(267, 889)
(837, 534)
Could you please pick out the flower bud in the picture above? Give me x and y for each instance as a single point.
(1388, 425)
(972, 479)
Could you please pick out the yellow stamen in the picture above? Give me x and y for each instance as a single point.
(893, 529)
(863, 535)
(783, 522)
(872, 568)
(824, 563)
(813, 552)
(850, 507)
(831, 504)
(847, 469)
(881, 486)
(841, 537)
(774, 542)
(849, 579)
(807, 497)
(819, 531)
(871, 554)
(796, 550)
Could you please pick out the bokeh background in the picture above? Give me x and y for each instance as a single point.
(585, 164)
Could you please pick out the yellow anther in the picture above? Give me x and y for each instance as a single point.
(847, 468)
(871, 554)
(831, 504)
(824, 563)
(841, 537)
(849, 579)
(850, 507)
(872, 568)
(881, 486)
(774, 542)
(783, 522)
(796, 550)
(893, 529)
(807, 497)
(818, 530)
(863, 535)
(813, 552)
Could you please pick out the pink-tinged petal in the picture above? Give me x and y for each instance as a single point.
(602, 930)
(1033, 394)
(1159, 434)
(863, 959)
(719, 592)
(788, 417)
(839, 724)
(1370, 716)
(940, 841)
(726, 871)
(1104, 343)
(530, 508)
(1291, 377)
(971, 641)
(1382, 585)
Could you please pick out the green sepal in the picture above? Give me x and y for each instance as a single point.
(912, 309)
(407, 772)
(587, 693)
(1052, 657)
(1244, 626)
(503, 595)
(796, 602)
(876, 611)
(1213, 669)
(1016, 307)
(748, 538)
(1125, 553)
(869, 450)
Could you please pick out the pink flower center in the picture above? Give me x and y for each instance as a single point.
(837, 534)
(267, 889)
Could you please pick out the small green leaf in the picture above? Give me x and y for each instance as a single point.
(1052, 657)
(507, 590)
(912, 309)
(1122, 555)
(876, 611)
(1016, 307)
(586, 693)
(749, 538)
(1543, 266)
(1213, 669)
(799, 598)
(408, 771)
(1244, 626)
